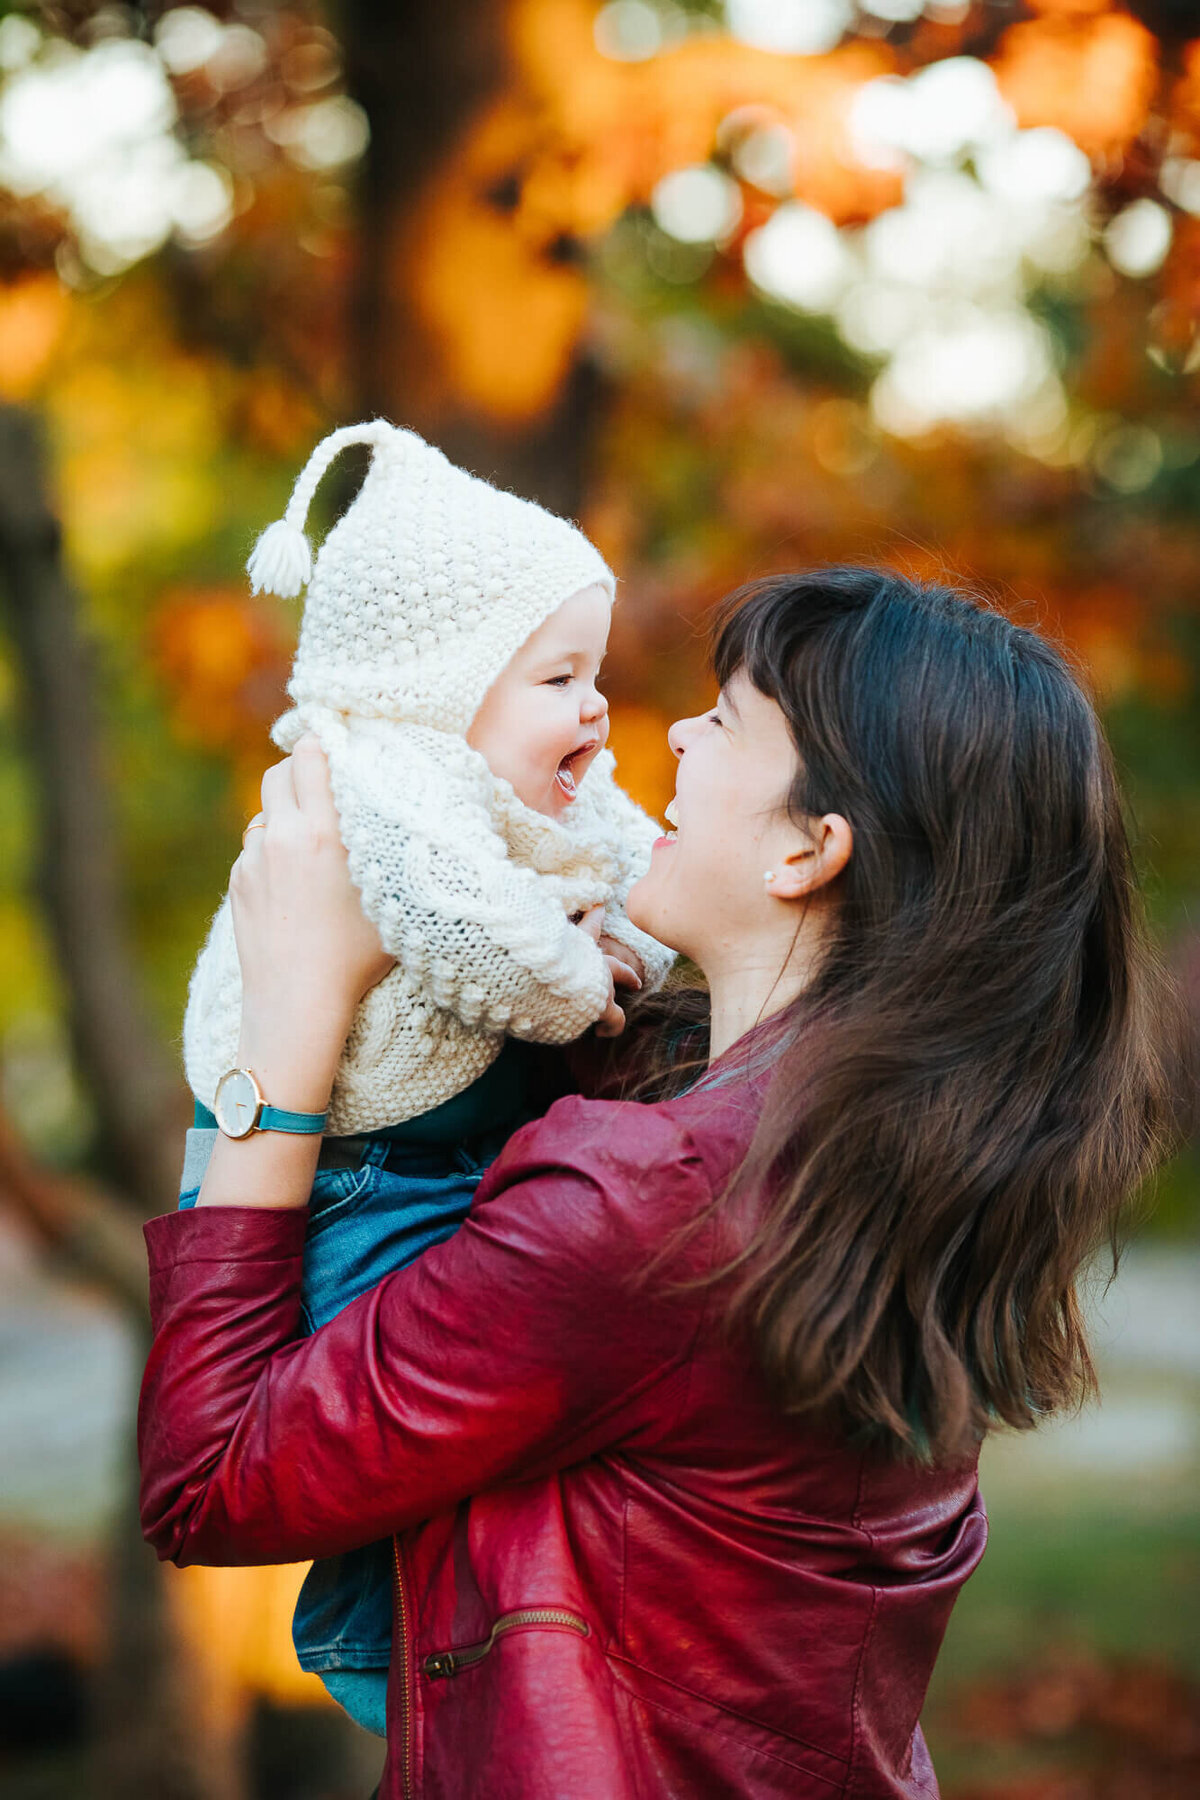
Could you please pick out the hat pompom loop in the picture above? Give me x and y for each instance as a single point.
(281, 561)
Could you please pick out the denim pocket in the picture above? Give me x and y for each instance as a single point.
(334, 1192)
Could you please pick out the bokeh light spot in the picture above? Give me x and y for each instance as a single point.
(1138, 238)
(967, 366)
(186, 37)
(1041, 164)
(934, 116)
(325, 135)
(20, 40)
(1179, 179)
(1128, 458)
(202, 202)
(629, 31)
(796, 27)
(894, 12)
(764, 156)
(698, 205)
(799, 257)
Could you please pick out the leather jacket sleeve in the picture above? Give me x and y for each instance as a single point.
(526, 1342)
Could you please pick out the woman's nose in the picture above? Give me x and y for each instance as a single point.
(679, 733)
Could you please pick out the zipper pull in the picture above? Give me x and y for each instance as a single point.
(439, 1665)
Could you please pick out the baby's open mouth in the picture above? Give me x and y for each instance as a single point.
(564, 775)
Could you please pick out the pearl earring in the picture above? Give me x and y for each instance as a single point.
(768, 874)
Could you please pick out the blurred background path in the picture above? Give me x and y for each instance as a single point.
(1092, 1574)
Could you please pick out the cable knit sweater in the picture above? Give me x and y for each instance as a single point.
(473, 892)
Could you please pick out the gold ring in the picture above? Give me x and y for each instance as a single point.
(254, 825)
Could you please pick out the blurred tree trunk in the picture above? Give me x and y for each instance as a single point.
(90, 1229)
(145, 1744)
(152, 1737)
(124, 1065)
(424, 70)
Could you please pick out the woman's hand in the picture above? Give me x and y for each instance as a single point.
(623, 968)
(308, 952)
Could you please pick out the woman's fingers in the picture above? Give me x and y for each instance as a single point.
(593, 922)
(612, 1023)
(622, 966)
(620, 973)
(300, 784)
(251, 847)
(278, 792)
(310, 781)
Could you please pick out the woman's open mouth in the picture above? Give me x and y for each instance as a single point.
(564, 775)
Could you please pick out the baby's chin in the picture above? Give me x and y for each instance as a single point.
(556, 794)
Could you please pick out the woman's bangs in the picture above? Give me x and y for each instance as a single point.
(746, 638)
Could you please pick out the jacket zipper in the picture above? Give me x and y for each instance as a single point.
(405, 1701)
(444, 1663)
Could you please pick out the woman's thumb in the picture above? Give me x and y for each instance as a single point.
(593, 922)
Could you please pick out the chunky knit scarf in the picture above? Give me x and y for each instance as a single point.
(473, 892)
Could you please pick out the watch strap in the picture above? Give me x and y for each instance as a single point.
(275, 1118)
(271, 1118)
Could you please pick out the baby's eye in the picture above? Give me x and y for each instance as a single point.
(558, 681)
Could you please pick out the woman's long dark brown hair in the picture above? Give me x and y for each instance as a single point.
(971, 1089)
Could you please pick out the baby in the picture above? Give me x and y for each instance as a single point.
(448, 658)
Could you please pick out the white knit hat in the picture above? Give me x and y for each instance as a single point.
(425, 588)
(422, 593)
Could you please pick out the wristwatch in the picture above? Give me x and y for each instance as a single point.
(240, 1108)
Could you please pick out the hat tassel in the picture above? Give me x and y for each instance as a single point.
(281, 561)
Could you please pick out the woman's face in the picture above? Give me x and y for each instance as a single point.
(705, 892)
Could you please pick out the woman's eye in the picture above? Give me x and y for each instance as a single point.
(715, 719)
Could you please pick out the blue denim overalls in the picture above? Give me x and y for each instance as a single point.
(377, 1202)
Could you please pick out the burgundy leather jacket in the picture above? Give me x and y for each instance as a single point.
(621, 1573)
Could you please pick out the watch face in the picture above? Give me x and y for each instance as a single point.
(237, 1104)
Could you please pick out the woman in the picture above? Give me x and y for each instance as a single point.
(677, 1436)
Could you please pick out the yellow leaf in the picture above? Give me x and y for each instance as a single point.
(33, 317)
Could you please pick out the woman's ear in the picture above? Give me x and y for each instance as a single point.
(828, 843)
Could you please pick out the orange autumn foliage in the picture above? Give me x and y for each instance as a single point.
(646, 765)
(223, 661)
(33, 316)
(576, 140)
(509, 357)
(1092, 77)
(634, 122)
(1185, 96)
(1074, 9)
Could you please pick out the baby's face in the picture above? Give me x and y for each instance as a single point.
(543, 720)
